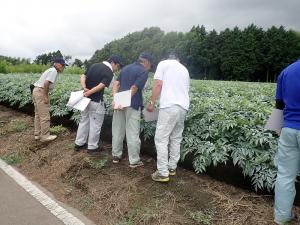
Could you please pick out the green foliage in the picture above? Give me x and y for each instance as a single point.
(73, 70)
(59, 129)
(96, 164)
(224, 124)
(251, 54)
(203, 217)
(18, 126)
(137, 215)
(47, 58)
(13, 158)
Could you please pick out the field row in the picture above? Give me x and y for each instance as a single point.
(225, 122)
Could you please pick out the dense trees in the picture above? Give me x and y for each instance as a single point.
(251, 54)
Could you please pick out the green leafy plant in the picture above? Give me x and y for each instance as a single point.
(225, 122)
(13, 158)
(96, 164)
(18, 126)
(59, 129)
(203, 217)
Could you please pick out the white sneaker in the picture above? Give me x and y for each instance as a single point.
(36, 137)
(49, 138)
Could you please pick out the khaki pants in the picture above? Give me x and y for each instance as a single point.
(126, 121)
(42, 115)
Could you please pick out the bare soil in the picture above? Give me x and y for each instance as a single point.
(115, 194)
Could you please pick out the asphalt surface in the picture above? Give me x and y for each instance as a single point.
(17, 207)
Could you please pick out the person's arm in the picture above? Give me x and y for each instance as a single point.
(115, 89)
(46, 91)
(83, 83)
(155, 93)
(133, 90)
(139, 83)
(95, 89)
(279, 103)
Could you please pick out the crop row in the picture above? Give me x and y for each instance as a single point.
(225, 122)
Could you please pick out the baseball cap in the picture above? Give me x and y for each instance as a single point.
(147, 56)
(116, 59)
(60, 61)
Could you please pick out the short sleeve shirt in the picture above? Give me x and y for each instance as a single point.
(175, 84)
(134, 74)
(288, 86)
(50, 75)
(96, 74)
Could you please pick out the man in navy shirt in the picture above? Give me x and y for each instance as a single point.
(127, 120)
(288, 155)
(93, 82)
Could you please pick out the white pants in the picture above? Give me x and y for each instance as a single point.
(126, 121)
(90, 125)
(168, 136)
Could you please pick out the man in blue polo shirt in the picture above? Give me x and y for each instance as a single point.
(288, 155)
(93, 82)
(127, 121)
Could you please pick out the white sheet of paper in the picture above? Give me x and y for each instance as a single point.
(78, 101)
(122, 99)
(150, 116)
(275, 121)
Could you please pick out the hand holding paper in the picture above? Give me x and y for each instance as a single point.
(78, 101)
(122, 99)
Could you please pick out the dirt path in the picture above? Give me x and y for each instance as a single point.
(112, 194)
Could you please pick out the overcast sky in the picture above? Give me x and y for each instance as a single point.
(79, 27)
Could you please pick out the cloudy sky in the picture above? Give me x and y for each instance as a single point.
(79, 27)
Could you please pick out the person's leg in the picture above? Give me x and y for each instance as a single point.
(118, 133)
(133, 118)
(37, 124)
(176, 138)
(83, 128)
(165, 124)
(43, 112)
(96, 117)
(288, 162)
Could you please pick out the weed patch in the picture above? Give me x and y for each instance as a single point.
(18, 126)
(59, 129)
(13, 158)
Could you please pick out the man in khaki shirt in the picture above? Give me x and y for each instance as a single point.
(40, 96)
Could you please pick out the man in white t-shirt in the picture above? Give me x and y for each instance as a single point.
(40, 96)
(172, 83)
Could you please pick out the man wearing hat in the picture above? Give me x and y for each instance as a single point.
(127, 120)
(172, 84)
(40, 96)
(93, 82)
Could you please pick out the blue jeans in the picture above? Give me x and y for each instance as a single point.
(288, 163)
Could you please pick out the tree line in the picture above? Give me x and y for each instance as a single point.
(249, 54)
(39, 64)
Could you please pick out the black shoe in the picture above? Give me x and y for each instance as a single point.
(96, 151)
(116, 159)
(77, 148)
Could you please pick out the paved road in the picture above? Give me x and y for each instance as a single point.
(18, 207)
